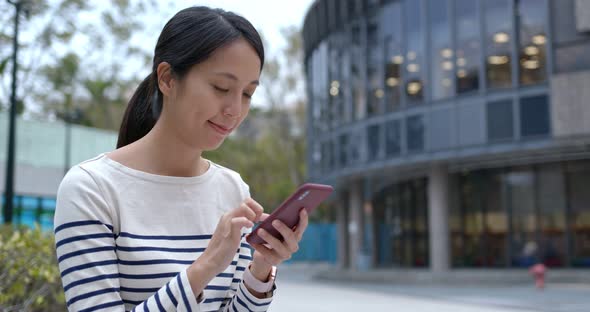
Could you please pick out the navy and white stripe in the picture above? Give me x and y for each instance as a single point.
(140, 264)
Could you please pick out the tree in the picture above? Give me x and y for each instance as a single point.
(67, 33)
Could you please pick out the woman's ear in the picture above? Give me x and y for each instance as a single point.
(165, 78)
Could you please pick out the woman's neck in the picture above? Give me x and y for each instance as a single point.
(161, 152)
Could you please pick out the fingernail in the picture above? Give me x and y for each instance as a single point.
(261, 232)
(276, 223)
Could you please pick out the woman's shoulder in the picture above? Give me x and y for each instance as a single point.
(231, 177)
(82, 176)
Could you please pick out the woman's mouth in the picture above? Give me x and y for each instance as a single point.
(219, 128)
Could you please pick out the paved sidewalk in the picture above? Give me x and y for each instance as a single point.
(298, 291)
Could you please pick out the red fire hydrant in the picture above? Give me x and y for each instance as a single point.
(538, 271)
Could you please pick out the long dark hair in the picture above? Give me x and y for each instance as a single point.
(187, 39)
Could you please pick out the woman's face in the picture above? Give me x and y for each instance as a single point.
(214, 96)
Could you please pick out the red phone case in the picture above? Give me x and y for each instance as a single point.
(308, 196)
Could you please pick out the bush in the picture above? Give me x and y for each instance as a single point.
(29, 275)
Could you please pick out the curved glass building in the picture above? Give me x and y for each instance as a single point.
(456, 132)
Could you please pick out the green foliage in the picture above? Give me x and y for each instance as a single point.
(29, 275)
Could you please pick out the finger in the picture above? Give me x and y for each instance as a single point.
(290, 240)
(268, 254)
(303, 222)
(256, 207)
(275, 244)
(244, 211)
(238, 223)
(264, 216)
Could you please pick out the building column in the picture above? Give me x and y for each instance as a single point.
(355, 225)
(438, 218)
(343, 237)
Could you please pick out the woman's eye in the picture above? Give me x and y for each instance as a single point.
(249, 96)
(220, 89)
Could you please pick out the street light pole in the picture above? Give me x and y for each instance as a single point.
(9, 185)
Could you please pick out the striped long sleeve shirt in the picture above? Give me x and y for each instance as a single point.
(124, 239)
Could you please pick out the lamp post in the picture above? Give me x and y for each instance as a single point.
(9, 184)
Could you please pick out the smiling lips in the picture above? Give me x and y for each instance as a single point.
(220, 129)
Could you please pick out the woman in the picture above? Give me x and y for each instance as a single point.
(153, 226)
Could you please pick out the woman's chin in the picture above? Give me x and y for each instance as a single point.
(213, 145)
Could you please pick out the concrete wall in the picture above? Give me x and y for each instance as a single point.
(570, 104)
(582, 15)
(40, 152)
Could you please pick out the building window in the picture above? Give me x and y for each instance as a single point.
(500, 120)
(415, 51)
(336, 85)
(374, 142)
(391, 27)
(441, 56)
(392, 138)
(467, 56)
(375, 92)
(355, 149)
(532, 50)
(578, 179)
(343, 141)
(534, 116)
(325, 161)
(551, 201)
(480, 227)
(415, 133)
(401, 224)
(498, 21)
(358, 95)
(521, 194)
(524, 215)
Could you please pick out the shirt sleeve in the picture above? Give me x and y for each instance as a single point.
(85, 245)
(242, 300)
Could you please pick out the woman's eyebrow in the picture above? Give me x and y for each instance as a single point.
(233, 77)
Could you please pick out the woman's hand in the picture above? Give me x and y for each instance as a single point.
(275, 252)
(223, 244)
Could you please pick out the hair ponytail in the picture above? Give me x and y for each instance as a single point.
(142, 112)
(187, 39)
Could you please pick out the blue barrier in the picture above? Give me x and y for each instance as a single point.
(31, 210)
(319, 243)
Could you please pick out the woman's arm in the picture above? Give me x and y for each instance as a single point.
(85, 244)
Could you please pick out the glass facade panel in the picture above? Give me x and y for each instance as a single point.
(401, 225)
(468, 49)
(552, 215)
(480, 238)
(392, 138)
(415, 133)
(441, 54)
(498, 25)
(357, 85)
(578, 179)
(500, 120)
(374, 142)
(415, 52)
(524, 218)
(355, 145)
(534, 116)
(521, 216)
(343, 157)
(532, 17)
(391, 27)
(375, 92)
(336, 102)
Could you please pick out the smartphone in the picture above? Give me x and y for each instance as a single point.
(308, 196)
